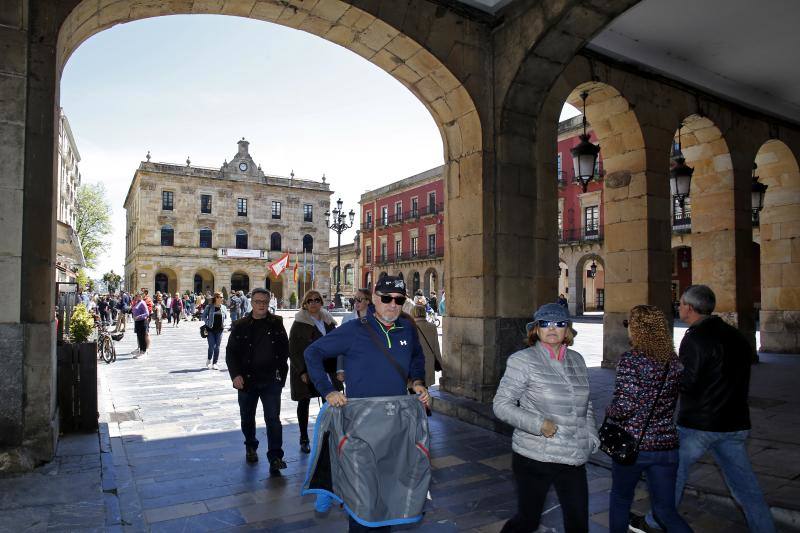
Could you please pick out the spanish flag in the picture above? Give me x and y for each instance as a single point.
(295, 268)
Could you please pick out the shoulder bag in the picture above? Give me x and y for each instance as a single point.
(617, 442)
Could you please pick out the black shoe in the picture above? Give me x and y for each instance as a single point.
(304, 447)
(251, 455)
(276, 465)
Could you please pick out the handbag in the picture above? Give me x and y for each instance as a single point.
(617, 442)
(204, 331)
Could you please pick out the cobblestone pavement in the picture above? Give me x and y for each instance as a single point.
(170, 457)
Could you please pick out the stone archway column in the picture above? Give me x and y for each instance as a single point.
(575, 296)
(28, 413)
(722, 233)
(637, 239)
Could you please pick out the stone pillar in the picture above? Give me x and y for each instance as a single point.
(780, 252)
(722, 230)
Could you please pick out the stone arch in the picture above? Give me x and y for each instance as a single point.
(430, 281)
(580, 282)
(167, 279)
(416, 281)
(779, 232)
(240, 281)
(203, 281)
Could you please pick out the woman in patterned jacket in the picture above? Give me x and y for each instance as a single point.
(649, 365)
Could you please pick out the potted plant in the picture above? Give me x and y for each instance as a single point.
(293, 301)
(77, 374)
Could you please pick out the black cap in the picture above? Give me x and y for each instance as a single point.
(389, 284)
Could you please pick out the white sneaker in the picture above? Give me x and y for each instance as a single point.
(136, 354)
(215, 367)
(208, 365)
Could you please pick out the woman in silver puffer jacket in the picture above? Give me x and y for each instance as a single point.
(544, 395)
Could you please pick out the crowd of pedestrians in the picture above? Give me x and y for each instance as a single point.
(676, 405)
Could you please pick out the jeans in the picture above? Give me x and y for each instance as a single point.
(214, 340)
(270, 396)
(533, 480)
(661, 468)
(730, 453)
(234, 315)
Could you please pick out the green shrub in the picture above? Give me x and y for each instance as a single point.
(81, 324)
(293, 300)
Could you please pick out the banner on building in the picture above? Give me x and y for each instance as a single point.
(280, 265)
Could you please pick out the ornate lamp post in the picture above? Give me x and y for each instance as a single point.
(584, 155)
(339, 225)
(680, 175)
(757, 191)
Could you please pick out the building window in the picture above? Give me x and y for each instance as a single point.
(275, 242)
(241, 239)
(276, 210)
(682, 215)
(348, 275)
(398, 248)
(384, 252)
(167, 200)
(205, 203)
(398, 211)
(308, 243)
(560, 224)
(241, 207)
(205, 238)
(368, 254)
(415, 207)
(369, 219)
(167, 236)
(414, 246)
(591, 220)
(308, 213)
(385, 216)
(432, 244)
(432, 202)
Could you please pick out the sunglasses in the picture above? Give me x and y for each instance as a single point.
(625, 324)
(399, 300)
(314, 301)
(259, 302)
(552, 323)
(362, 299)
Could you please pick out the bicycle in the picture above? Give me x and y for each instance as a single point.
(105, 343)
(431, 317)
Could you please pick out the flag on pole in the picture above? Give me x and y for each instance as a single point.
(295, 268)
(280, 265)
(312, 270)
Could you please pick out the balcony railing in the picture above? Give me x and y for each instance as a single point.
(682, 225)
(368, 224)
(421, 255)
(573, 235)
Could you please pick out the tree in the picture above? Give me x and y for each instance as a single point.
(83, 280)
(112, 280)
(92, 221)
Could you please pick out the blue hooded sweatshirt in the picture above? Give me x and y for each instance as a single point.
(367, 370)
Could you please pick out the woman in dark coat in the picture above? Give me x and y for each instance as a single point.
(310, 324)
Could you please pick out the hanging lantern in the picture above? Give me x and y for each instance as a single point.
(680, 175)
(758, 190)
(584, 155)
(593, 268)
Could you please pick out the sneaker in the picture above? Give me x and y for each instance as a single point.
(276, 465)
(304, 447)
(323, 503)
(215, 366)
(251, 455)
(208, 365)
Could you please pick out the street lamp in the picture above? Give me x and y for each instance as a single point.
(680, 175)
(593, 268)
(758, 190)
(339, 225)
(584, 155)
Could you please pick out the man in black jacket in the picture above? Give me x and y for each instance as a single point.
(256, 355)
(714, 414)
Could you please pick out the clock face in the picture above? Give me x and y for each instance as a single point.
(242, 166)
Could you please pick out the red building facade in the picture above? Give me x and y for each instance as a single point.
(402, 232)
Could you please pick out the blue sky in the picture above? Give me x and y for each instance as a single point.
(193, 85)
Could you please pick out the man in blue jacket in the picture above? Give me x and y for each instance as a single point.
(369, 371)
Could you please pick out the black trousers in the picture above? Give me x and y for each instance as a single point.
(533, 480)
(140, 327)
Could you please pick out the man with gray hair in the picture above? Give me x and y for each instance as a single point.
(714, 414)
